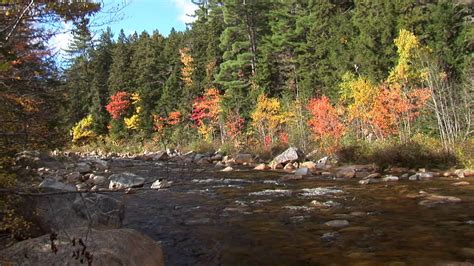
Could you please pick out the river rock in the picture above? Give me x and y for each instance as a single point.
(367, 181)
(323, 162)
(432, 200)
(244, 158)
(398, 170)
(74, 177)
(304, 171)
(50, 183)
(337, 223)
(346, 172)
(107, 247)
(125, 180)
(261, 167)
(291, 177)
(467, 253)
(70, 210)
(228, 169)
(390, 178)
(99, 164)
(160, 184)
(99, 180)
(290, 155)
(374, 175)
(309, 164)
(83, 167)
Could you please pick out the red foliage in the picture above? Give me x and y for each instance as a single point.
(206, 107)
(324, 120)
(234, 126)
(118, 105)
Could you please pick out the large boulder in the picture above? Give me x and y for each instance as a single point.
(345, 172)
(125, 180)
(290, 155)
(108, 247)
(70, 210)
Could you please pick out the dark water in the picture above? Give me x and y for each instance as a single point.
(250, 218)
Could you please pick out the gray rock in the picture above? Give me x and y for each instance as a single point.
(304, 171)
(99, 180)
(83, 168)
(390, 178)
(290, 155)
(50, 183)
(323, 162)
(160, 183)
(74, 177)
(71, 210)
(99, 164)
(345, 172)
(107, 247)
(261, 167)
(244, 158)
(337, 223)
(125, 180)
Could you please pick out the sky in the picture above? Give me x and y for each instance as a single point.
(135, 15)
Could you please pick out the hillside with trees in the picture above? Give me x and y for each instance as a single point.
(312, 74)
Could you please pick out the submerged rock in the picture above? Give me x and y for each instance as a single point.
(337, 223)
(304, 171)
(228, 169)
(109, 247)
(462, 183)
(432, 200)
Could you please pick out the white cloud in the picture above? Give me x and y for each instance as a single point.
(60, 41)
(186, 8)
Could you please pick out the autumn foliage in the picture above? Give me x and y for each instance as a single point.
(324, 121)
(119, 104)
(206, 112)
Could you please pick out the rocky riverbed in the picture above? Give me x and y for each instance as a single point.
(306, 213)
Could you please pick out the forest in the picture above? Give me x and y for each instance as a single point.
(352, 76)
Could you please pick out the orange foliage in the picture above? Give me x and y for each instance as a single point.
(187, 70)
(324, 120)
(392, 106)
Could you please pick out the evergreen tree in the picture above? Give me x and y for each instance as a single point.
(100, 65)
(121, 76)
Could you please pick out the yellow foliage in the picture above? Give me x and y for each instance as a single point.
(135, 97)
(82, 131)
(132, 122)
(268, 116)
(187, 70)
(407, 45)
(359, 94)
(205, 131)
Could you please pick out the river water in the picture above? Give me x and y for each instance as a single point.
(248, 217)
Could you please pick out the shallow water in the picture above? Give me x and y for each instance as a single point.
(251, 218)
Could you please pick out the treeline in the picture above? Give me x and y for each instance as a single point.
(267, 73)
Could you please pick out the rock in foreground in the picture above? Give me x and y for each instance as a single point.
(109, 247)
(125, 180)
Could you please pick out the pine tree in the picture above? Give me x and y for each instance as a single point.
(121, 77)
(100, 65)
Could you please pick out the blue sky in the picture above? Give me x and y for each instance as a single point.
(139, 15)
(136, 15)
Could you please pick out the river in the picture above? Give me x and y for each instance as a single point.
(248, 217)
